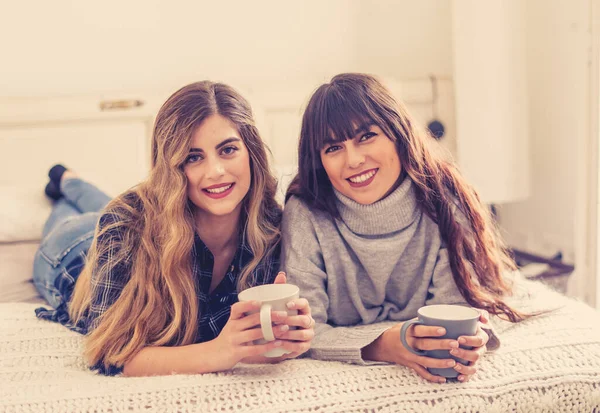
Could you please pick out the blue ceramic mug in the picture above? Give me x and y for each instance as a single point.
(458, 321)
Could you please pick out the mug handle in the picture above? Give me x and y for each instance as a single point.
(265, 322)
(403, 331)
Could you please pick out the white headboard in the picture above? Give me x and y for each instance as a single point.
(105, 138)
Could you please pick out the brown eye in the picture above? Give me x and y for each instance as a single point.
(192, 159)
(229, 150)
(333, 148)
(367, 136)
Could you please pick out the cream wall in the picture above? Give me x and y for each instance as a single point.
(558, 59)
(277, 50)
(69, 47)
(79, 47)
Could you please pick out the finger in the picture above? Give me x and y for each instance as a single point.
(239, 309)
(248, 336)
(434, 344)
(431, 362)
(296, 346)
(252, 350)
(280, 278)
(465, 370)
(463, 378)
(302, 321)
(253, 320)
(298, 335)
(484, 316)
(469, 355)
(300, 304)
(428, 331)
(421, 371)
(479, 340)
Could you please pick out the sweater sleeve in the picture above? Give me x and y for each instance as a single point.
(303, 263)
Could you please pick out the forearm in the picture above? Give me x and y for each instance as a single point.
(373, 352)
(190, 359)
(346, 343)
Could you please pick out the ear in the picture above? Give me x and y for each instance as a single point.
(280, 279)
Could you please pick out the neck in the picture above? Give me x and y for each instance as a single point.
(218, 232)
(396, 184)
(390, 214)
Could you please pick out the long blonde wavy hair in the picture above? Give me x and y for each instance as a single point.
(158, 304)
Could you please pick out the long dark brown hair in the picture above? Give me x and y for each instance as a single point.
(478, 256)
(159, 305)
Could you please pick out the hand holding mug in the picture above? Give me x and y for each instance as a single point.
(477, 343)
(298, 324)
(302, 326)
(464, 339)
(238, 339)
(389, 348)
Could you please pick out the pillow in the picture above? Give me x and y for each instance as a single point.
(23, 212)
(16, 267)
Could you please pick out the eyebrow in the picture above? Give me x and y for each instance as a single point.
(219, 146)
(365, 127)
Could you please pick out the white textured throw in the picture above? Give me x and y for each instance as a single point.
(548, 364)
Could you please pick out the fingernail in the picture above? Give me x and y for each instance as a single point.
(458, 367)
(442, 380)
(255, 303)
(454, 352)
(283, 328)
(291, 305)
(451, 363)
(441, 331)
(281, 313)
(462, 340)
(278, 343)
(461, 378)
(454, 344)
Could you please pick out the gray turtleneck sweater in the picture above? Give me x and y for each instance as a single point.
(366, 272)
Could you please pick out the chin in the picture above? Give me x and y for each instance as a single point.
(365, 199)
(219, 212)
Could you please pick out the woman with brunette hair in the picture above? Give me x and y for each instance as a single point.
(152, 280)
(378, 224)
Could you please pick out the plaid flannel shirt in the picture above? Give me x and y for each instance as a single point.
(213, 307)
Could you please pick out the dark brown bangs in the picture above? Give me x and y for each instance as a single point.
(342, 111)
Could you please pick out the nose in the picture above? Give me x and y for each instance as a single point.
(354, 157)
(215, 168)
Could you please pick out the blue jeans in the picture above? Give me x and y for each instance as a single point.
(67, 235)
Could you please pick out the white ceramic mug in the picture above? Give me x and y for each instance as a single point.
(273, 297)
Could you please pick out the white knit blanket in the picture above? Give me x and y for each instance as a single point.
(547, 364)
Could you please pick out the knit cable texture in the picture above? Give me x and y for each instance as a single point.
(550, 363)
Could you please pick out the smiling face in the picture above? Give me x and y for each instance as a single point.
(217, 168)
(364, 168)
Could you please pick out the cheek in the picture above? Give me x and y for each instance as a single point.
(394, 161)
(241, 168)
(330, 169)
(191, 175)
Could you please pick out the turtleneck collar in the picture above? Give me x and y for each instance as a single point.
(390, 214)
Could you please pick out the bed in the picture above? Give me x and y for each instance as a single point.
(550, 363)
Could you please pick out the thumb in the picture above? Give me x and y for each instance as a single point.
(280, 279)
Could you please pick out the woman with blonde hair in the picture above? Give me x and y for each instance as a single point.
(378, 224)
(152, 280)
